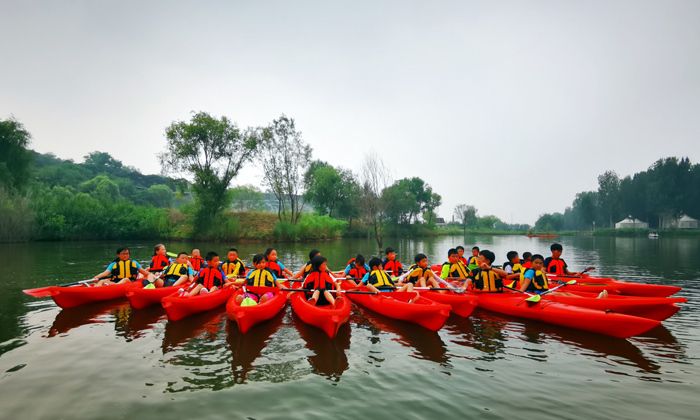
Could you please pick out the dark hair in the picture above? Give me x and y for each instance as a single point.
(374, 262)
(556, 247)
(476, 247)
(186, 254)
(458, 247)
(258, 258)
(234, 250)
(490, 256)
(268, 251)
(389, 250)
(120, 250)
(537, 257)
(313, 253)
(360, 259)
(211, 255)
(526, 255)
(419, 258)
(511, 255)
(317, 261)
(451, 252)
(156, 248)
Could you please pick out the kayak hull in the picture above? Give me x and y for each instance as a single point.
(178, 308)
(325, 317)
(608, 323)
(248, 316)
(462, 304)
(658, 308)
(140, 298)
(68, 297)
(623, 287)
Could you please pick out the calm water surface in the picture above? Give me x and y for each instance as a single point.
(107, 361)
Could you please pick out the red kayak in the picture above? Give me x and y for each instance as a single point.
(247, 316)
(623, 287)
(68, 297)
(141, 298)
(609, 323)
(658, 308)
(178, 307)
(462, 304)
(325, 317)
(423, 312)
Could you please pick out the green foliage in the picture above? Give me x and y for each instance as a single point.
(16, 218)
(247, 198)
(309, 227)
(549, 222)
(102, 188)
(159, 196)
(15, 159)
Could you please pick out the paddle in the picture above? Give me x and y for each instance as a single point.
(537, 296)
(260, 289)
(579, 276)
(46, 291)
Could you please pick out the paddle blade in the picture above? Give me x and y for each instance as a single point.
(534, 299)
(510, 286)
(39, 292)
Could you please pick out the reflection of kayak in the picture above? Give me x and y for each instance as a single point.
(329, 358)
(68, 319)
(658, 308)
(325, 317)
(623, 287)
(141, 298)
(177, 307)
(247, 316)
(462, 304)
(609, 323)
(68, 297)
(423, 312)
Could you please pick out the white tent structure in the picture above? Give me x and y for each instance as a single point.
(687, 222)
(631, 222)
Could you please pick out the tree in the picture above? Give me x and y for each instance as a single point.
(324, 189)
(488, 222)
(284, 159)
(586, 203)
(247, 198)
(102, 188)
(373, 204)
(466, 215)
(608, 194)
(549, 222)
(160, 196)
(432, 205)
(15, 160)
(212, 151)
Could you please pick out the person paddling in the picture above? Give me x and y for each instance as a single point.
(391, 264)
(159, 260)
(210, 278)
(534, 280)
(176, 273)
(260, 277)
(486, 278)
(321, 281)
(377, 280)
(555, 264)
(306, 269)
(122, 270)
(356, 269)
(233, 266)
(454, 268)
(420, 275)
(276, 266)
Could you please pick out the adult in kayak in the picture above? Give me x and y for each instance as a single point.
(534, 280)
(210, 278)
(454, 268)
(260, 277)
(321, 281)
(306, 269)
(486, 278)
(420, 275)
(377, 280)
(159, 260)
(123, 269)
(232, 265)
(555, 264)
(276, 266)
(391, 264)
(196, 261)
(356, 269)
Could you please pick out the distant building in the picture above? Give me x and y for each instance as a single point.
(439, 221)
(632, 223)
(683, 222)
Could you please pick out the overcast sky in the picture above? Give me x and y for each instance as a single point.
(511, 106)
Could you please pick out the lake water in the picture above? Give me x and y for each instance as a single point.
(107, 361)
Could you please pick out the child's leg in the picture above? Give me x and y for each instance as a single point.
(239, 298)
(329, 297)
(158, 283)
(467, 284)
(314, 297)
(180, 281)
(433, 283)
(420, 282)
(195, 290)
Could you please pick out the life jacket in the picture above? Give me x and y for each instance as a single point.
(457, 270)
(516, 268)
(126, 269)
(379, 278)
(538, 283)
(473, 263)
(357, 272)
(464, 261)
(261, 278)
(486, 280)
(317, 280)
(527, 264)
(417, 272)
(393, 267)
(211, 277)
(556, 267)
(175, 271)
(196, 263)
(307, 270)
(235, 267)
(275, 268)
(159, 262)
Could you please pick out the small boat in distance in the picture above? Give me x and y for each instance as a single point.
(653, 235)
(541, 236)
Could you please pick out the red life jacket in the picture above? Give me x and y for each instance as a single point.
(159, 262)
(357, 272)
(196, 263)
(275, 268)
(464, 260)
(318, 280)
(556, 267)
(394, 267)
(211, 277)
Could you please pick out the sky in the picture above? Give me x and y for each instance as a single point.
(511, 106)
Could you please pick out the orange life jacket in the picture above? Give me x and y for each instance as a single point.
(196, 263)
(556, 267)
(275, 268)
(393, 266)
(211, 277)
(318, 280)
(159, 262)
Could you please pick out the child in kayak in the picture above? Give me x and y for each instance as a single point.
(210, 278)
(534, 280)
(420, 275)
(454, 269)
(307, 267)
(377, 280)
(196, 261)
(391, 264)
(321, 281)
(177, 273)
(159, 260)
(486, 278)
(526, 262)
(260, 277)
(460, 253)
(555, 264)
(233, 266)
(356, 269)
(276, 266)
(473, 262)
(513, 266)
(122, 270)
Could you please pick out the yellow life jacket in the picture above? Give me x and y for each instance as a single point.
(175, 271)
(262, 278)
(125, 269)
(378, 278)
(487, 281)
(232, 267)
(538, 283)
(417, 272)
(457, 270)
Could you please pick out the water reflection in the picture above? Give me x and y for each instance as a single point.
(70, 318)
(140, 321)
(481, 332)
(329, 357)
(179, 333)
(246, 348)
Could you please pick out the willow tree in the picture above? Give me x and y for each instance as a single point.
(212, 152)
(374, 203)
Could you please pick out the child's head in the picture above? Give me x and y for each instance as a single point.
(421, 260)
(487, 257)
(271, 254)
(452, 255)
(390, 254)
(123, 253)
(159, 249)
(319, 263)
(313, 253)
(212, 259)
(556, 250)
(375, 263)
(475, 251)
(195, 252)
(360, 261)
(460, 250)
(513, 257)
(527, 256)
(537, 262)
(232, 254)
(259, 261)
(181, 258)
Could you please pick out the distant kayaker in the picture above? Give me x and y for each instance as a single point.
(260, 277)
(307, 267)
(159, 260)
(391, 264)
(377, 280)
(486, 278)
(209, 278)
(121, 270)
(196, 260)
(176, 273)
(420, 275)
(460, 253)
(276, 266)
(526, 262)
(473, 260)
(233, 266)
(454, 269)
(555, 264)
(356, 269)
(321, 281)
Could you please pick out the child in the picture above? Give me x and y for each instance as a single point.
(460, 252)
(356, 269)
(555, 265)
(420, 275)
(121, 270)
(321, 281)
(277, 268)
(196, 261)
(176, 274)
(486, 278)
(260, 277)
(527, 260)
(209, 278)
(513, 266)
(473, 260)
(233, 266)
(378, 281)
(454, 268)
(307, 268)
(534, 280)
(159, 260)
(391, 264)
